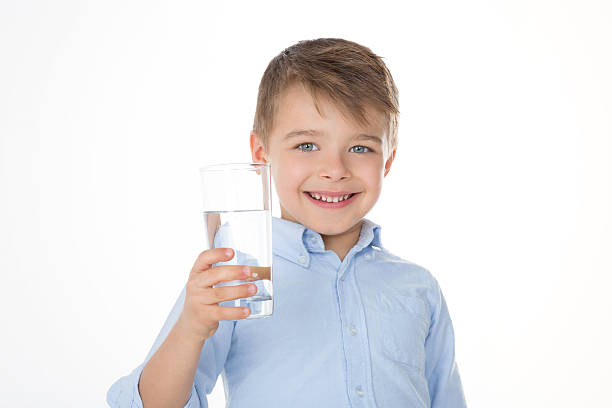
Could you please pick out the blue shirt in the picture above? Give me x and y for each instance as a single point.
(370, 331)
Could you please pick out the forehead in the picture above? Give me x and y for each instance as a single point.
(297, 108)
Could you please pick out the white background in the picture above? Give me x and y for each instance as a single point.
(502, 184)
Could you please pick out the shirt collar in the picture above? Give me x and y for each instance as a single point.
(295, 242)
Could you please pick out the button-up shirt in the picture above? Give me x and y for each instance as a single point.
(372, 330)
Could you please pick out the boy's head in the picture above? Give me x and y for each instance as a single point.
(326, 120)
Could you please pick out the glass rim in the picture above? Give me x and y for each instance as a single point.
(234, 166)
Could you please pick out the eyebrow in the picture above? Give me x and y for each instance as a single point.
(315, 133)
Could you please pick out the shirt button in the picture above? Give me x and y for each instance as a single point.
(353, 330)
(367, 256)
(359, 391)
(302, 259)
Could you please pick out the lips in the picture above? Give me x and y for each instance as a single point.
(330, 197)
(338, 203)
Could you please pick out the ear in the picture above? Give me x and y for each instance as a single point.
(258, 152)
(389, 161)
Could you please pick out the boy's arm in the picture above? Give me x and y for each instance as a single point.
(124, 393)
(441, 370)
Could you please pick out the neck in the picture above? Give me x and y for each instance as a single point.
(341, 244)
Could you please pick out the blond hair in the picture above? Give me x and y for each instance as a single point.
(349, 73)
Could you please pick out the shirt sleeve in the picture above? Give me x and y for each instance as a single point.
(124, 392)
(441, 370)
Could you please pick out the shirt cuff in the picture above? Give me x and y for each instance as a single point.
(192, 402)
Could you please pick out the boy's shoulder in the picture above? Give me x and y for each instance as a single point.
(393, 265)
(390, 264)
(399, 284)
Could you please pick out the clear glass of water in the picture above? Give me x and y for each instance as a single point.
(236, 203)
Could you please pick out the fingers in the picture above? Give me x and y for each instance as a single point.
(225, 293)
(228, 313)
(210, 257)
(218, 274)
(201, 285)
(203, 277)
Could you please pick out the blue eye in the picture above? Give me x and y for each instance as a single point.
(304, 144)
(363, 147)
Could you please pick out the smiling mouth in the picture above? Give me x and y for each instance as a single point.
(336, 198)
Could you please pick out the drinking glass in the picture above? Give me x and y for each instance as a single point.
(236, 203)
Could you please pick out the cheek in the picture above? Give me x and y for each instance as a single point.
(289, 176)
(372, 175)
(375, 186)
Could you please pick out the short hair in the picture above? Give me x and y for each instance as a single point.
(349, 73)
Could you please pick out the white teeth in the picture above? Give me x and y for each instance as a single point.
(329, 199)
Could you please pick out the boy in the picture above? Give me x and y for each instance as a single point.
(353, 325)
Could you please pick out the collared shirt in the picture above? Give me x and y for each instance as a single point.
(372, 330)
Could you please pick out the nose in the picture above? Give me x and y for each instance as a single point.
(333, 167)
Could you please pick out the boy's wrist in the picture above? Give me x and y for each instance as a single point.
(185, 334)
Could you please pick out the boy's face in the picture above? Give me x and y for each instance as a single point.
(330, 157)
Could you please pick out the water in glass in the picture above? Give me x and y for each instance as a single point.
(245, 232)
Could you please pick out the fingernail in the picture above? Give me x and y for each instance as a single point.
(252, 288)
(246, 270)
(228, 252)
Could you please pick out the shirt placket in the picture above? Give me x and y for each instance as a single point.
(354, 337)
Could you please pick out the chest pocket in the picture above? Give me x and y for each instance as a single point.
(403, 324)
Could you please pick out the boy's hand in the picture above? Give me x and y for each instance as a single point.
(201, 313)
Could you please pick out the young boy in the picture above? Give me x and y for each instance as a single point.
(353, 325)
